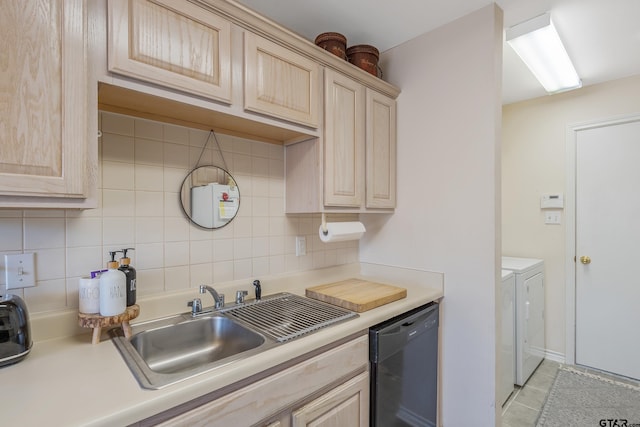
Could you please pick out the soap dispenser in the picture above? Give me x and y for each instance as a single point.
(113, 290)
(130, 274)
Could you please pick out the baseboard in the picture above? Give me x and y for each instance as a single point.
(554, 356)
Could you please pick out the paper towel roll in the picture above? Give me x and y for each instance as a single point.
(342, 231)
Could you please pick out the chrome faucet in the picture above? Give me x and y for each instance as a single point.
(218, 298)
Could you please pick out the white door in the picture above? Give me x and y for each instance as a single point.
(608, 233)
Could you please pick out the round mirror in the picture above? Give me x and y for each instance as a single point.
(210, 197)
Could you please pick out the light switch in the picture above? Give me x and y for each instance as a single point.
(20, 270)
(553, 217)
(301, 245)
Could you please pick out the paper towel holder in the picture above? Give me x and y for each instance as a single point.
(324, 224)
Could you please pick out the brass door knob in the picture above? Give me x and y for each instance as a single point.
(585, 259)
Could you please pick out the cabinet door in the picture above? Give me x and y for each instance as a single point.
(346, 405)
(171, 43)
(43, 97)
(344, 141)
(279, 82)
(381, 151)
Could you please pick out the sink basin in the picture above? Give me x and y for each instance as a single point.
(164, 351)
(168, 350)
(187, 345)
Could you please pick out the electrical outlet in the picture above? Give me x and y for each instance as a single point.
(301, 245)
(20, 270)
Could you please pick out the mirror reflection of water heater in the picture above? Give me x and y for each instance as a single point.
(214, 205)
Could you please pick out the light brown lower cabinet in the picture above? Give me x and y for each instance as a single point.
(328, 389)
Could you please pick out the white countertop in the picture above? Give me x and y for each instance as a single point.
(68, 382)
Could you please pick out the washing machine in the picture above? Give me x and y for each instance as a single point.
(529, 314)
(507, 366)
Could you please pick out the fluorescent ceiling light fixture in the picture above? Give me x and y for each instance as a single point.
(537, 42)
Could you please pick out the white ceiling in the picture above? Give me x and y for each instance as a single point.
(602, 37)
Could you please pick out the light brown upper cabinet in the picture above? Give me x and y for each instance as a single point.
(380, 151)
(279, 82)
(43, 102)
(344, 141)
(171, 43)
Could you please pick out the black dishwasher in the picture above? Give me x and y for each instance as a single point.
(404, 369)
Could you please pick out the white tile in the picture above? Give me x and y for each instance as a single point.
(200, 157)
(198, 138)
(330, 258)
(290, 245)
(149, 282)
(44, 213)
(11, 232)
(242, 227)
(276, 152)
(118, 203)
(242, 269)
(149, 178)
(176, 134)
(260, 267)
(172, 207)
(260, 226)
(223, 250)
(260, 206)
(291, 263)
(222, 271)
(117, 148)
(276, 169)
(306, 226)
(148, 129)
(197, 233)
(149, 256)
(244, 184)
(50, 264)
(305, 262)
(173, 179)
(83, 260)
(276, 207)
(276, 226)
(318, 259)
(176, 229)
(201, 251)
(260, 167)
(276, 245)
(47, 295)
(241, 145)
(242, 248)
(260, 186)
(149, 230)
(71, 286)
(276, 264)
(276, 187)
(260, 149)
(291, 225)
(149, 152)
(259, 247)
(117, 175)
(225, 232)
(116, 123)
(149, 203)
(118, 230)
(11, 213)
(226, 142)
(176, 156)
(246, 206)
(176, 254)
(176, 278)
(201, 274)
(242, 165)
(44, 233)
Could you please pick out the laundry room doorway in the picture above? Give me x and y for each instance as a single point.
(603, 250)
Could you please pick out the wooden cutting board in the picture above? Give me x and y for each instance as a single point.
(356, 294)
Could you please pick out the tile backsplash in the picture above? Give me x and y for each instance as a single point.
(142, 166)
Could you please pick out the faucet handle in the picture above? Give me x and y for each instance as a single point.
(240, 296)
(220, 304)
(196, 305)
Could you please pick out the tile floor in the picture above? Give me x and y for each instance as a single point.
(525, 403)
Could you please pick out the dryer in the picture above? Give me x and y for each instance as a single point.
(507, 334)
(529, 314)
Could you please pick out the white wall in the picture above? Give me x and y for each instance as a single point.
(533, 163)
(448, 214)
(142, 165)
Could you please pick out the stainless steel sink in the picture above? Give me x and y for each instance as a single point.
(164, 351)
(187, 345)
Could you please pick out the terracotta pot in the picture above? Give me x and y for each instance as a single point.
(335, 43)
(364, 56)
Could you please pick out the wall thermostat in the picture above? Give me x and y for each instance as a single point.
(552, 201)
